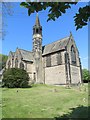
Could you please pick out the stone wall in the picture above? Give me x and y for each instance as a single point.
(75, 74)
(53, 59)
(75, 70)
(31, 70)
(55, 75)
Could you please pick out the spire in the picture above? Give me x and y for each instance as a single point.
(71, 36)
(70, 33)
(37, 28)
(37, 20)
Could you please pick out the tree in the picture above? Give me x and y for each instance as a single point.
(15, 78)
(86, 75)
(56, 9)
(3, 59)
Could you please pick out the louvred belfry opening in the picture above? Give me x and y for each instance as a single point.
(37, 28)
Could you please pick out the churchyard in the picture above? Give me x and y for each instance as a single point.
(45, 101)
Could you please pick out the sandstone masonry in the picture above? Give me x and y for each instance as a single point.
(56, 63)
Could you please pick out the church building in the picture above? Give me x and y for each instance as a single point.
(57, 63)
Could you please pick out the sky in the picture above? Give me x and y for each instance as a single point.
(19, 26)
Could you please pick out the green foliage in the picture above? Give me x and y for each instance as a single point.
(3, 59)
(15, 78)
(86, 75)
(81, 18)
(56, 9)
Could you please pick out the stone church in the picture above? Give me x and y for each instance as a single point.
(57, 63)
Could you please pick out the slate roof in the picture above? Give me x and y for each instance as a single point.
(47, 49)
(26, 55)
(55, 46)
(37, 21)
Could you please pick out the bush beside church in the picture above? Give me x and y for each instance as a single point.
(15, 78)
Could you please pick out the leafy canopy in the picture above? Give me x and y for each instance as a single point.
(56, 9)
(86, 75)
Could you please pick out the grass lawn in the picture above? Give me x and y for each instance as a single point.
(44, 101)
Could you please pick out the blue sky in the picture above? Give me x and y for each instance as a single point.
(19, 30)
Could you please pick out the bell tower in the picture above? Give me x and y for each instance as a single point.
(37, 49)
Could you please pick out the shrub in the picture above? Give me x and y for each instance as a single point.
(15, 78)
(86, 75)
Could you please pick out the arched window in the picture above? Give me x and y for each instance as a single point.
(73, 55)
(12, 61)
(66, 58)
(37, 30)
(59, 58)
(21, 65)
(16, 63)
(33, 30)
(48, 60)
(9, 64)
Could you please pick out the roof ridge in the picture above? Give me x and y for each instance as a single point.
(25, 50)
